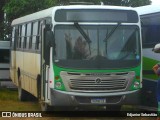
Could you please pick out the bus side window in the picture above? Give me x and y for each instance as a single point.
(19, 36)
(34, 36)
(25, 36)
(30, 37)
(28, 34)
(13, 38)
(38, 37)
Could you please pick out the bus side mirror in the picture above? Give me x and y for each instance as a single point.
(156, 49)
(48, 38)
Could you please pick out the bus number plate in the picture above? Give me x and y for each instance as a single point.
(98, 100)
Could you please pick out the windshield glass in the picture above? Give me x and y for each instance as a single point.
(120, 50)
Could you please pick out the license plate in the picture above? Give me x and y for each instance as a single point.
(98, 100)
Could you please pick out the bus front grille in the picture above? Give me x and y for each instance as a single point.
(98, 84)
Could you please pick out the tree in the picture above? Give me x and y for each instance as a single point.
(132, 3)
(18, 8)
(2, 20)
(136, 3)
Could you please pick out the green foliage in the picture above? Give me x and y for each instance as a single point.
(18, 8)
(1, 20)
(132, 3)
(136, 3)
(8, 94)
(9, 102)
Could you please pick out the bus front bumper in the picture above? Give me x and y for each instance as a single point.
(62, 98)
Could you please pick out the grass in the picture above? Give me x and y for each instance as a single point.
(9, 102)
(6, 94)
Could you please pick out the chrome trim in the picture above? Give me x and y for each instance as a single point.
(86, 82)
(97, 95)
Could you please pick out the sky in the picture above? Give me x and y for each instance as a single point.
(155, 2)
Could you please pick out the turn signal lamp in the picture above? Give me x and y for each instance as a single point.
(57, 77)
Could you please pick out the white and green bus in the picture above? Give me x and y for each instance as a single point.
(150, 24)
(78, 55)
(150, 19)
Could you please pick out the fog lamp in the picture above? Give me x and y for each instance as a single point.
(136, 84)
(58, 84)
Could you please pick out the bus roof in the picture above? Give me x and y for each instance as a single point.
(148, 9)
(48, 12)
(4, 44)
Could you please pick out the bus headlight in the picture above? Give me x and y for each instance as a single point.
(136, 84)
(58, 84)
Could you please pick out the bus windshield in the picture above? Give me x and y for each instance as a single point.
(120, 50)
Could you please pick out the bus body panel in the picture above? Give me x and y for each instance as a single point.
(29, 71)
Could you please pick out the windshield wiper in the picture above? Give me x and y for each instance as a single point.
(112, 31)
(83, 34)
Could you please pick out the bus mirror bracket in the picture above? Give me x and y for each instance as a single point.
(48, 38)
(156, 49)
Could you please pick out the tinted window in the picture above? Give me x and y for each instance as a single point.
(96, 16)
(150, 30)
(4, 56)
(120, 50)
